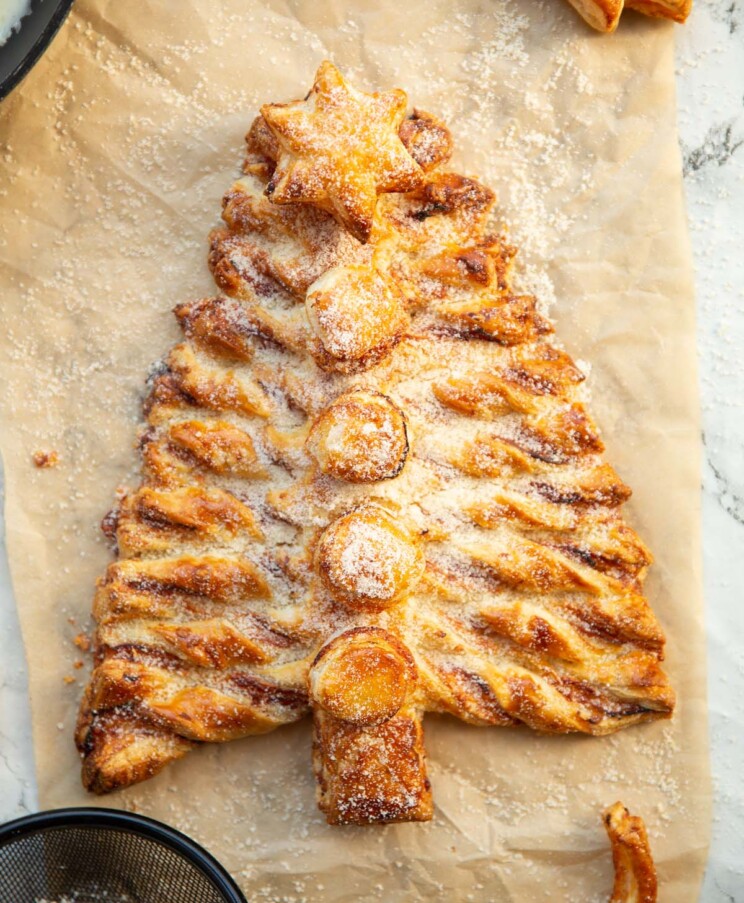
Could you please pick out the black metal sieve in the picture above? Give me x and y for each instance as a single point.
(106, 856)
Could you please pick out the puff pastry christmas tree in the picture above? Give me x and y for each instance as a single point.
(370, 486)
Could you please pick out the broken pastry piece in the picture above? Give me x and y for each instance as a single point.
(604, 15)
(371, 488)
(635, 874)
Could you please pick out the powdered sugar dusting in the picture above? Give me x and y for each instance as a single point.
(369, 561)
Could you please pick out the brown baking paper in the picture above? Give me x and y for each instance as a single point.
(116, 151)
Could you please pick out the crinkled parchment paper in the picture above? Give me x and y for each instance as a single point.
(115, 153)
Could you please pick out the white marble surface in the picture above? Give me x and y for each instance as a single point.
(710, 64)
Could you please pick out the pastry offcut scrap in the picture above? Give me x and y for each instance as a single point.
(370, 487)
(604, 15)
(635, 873)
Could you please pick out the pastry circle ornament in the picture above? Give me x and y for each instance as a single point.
(361, 437)
(362, 676)
(368, 560)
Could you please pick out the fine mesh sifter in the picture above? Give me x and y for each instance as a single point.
(106, 856)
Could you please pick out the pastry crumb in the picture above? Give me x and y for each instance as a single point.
(82, 641)
(44, 459)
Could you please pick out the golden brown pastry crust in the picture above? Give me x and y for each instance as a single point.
(361, 437)
(362, 676)
(367, 559)
(370, 489)
(604, 15)
(635, 873)
(339, 148)
(676, 10)
(371, 775)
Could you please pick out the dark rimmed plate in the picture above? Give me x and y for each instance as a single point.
(24, 47)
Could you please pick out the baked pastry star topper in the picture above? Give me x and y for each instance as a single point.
(340, 149)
